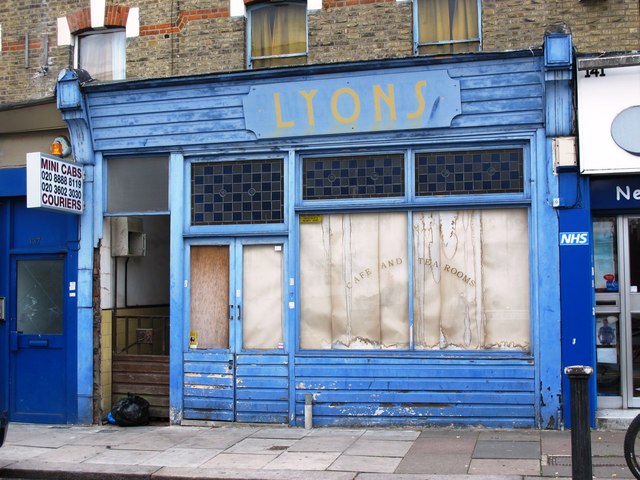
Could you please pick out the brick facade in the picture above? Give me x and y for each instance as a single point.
(198, 36)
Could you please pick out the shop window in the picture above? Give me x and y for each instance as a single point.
(353, 177)
(137, 185)
(475, 172)
(277, 34)
(226, 193)
(605, 254)
(470, 280)
(102, 54)
(447, 26)
(354, 282)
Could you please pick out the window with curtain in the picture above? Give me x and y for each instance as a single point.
(102, 54)
(278, 34)
(447, 26)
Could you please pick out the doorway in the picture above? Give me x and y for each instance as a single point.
(236, 332)
(37, 339)
(617, 284)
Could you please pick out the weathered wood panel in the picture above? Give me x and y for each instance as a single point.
(501, 92)
(210, 295)
(377, 391)
(144, 375)
(255, 390)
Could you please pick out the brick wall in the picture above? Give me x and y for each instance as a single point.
(198, 36)
(596, 25)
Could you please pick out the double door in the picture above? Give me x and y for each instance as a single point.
(617, 284)
(238, 365)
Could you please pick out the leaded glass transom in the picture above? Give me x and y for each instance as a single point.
(457, 173)
(365, 176)
(237, 192)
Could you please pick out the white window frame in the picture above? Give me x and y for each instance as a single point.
(90, 33)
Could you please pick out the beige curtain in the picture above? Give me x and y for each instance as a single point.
(447, 20)
(278, 30)
(354, 282)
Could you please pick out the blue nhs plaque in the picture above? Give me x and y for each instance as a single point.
(354, 104)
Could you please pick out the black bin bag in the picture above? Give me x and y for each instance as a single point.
(131, 411)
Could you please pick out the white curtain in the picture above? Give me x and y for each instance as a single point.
(103, 55)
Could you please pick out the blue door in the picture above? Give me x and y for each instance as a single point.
(236, 368)
(37, 357)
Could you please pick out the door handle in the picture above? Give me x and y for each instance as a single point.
(239, 312)
(231, 312)
(230, 366)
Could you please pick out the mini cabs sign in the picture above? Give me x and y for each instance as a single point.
(54, 184)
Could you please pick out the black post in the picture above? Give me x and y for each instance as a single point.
(581, 468)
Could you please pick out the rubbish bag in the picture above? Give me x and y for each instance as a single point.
(131, 411)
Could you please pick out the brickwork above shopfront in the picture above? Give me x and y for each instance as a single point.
(197, 36)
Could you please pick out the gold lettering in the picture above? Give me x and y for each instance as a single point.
(388, 98)
(418, 113)
(308, 96)
(279, 122)
(356, 105)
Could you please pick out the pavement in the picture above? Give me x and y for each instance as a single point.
(250, 452)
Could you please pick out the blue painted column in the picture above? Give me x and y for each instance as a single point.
(71, 103)
(577, 294)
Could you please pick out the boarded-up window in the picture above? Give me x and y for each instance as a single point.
(210, 296)
(262, 286)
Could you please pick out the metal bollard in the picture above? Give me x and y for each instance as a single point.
(581, 467)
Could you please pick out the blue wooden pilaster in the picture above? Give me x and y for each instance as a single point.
(179, 330)
(571, 201)
(71, 104)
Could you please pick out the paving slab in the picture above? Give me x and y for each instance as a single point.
(296, 433)
(15, 453)
(446, 464)
(512, 435)
(266, 446)
(408, 476)
(457, 433)
(302, 461)
(181, 457)
(482, 466)
(445, 445)
(507, 449)
(378, 448)
(121, 457)
(235, 460)
(169, 473)
(70, 453)
(362, 463)
(556, 443)
(313, 443)
(391, 434)
(59, 470)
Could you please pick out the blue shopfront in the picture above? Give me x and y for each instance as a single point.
(376, 238)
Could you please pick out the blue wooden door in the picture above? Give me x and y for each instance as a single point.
(37, 325)
(236, 368)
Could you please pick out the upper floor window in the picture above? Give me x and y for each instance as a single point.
(102, 54)
(447, 26)
(277, 34)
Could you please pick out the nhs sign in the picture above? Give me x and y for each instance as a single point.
(574, 238)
